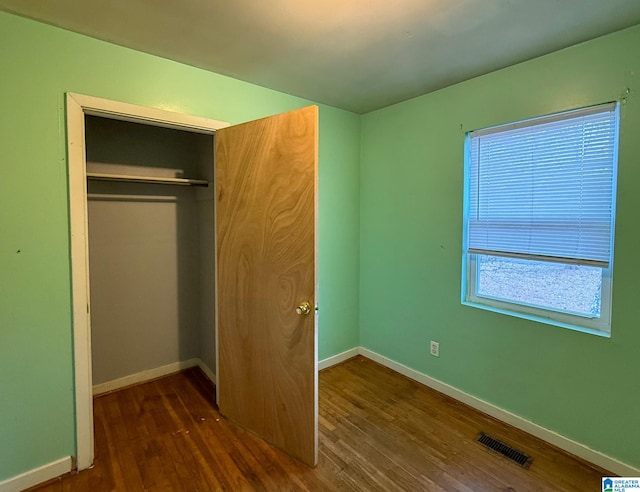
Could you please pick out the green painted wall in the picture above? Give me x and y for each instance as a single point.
(582, 386)
(38, 65)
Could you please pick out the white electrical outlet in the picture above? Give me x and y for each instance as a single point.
(435, 348)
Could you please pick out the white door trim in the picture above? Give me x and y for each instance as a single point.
(77, 107)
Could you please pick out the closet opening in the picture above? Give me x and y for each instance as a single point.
(162, 281)
(151, 251)
(142, 248)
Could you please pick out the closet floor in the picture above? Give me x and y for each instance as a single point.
(378, 431)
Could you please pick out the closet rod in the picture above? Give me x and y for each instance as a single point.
(147, 179)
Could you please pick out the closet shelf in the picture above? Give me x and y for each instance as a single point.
(147, 179)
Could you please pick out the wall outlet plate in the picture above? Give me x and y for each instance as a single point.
(435, 348)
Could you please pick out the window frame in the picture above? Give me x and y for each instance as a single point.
(600, 326)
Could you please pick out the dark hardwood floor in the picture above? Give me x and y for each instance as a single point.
(378, 431)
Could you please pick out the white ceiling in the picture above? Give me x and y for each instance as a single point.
(359, 55)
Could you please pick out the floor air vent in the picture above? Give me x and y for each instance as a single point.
(507, 451)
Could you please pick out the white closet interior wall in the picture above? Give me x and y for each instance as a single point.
(151, 249)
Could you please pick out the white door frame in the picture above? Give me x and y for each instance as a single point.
(77, 107)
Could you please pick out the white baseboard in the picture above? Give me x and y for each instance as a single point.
(207, 370)
(336, 359)
(569, 445)
(157, 372)
(37, 475)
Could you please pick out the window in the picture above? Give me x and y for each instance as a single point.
(539, 218)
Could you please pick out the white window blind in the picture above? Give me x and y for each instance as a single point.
(543, 189)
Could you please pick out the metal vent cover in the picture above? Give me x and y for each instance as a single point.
(505, 450)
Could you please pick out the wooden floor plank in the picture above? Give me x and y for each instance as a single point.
(378, 431)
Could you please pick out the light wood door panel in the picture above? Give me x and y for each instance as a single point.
(266, 173)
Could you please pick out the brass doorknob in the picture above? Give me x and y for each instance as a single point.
(304, 308)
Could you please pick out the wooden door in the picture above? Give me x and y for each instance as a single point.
(265, 185)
